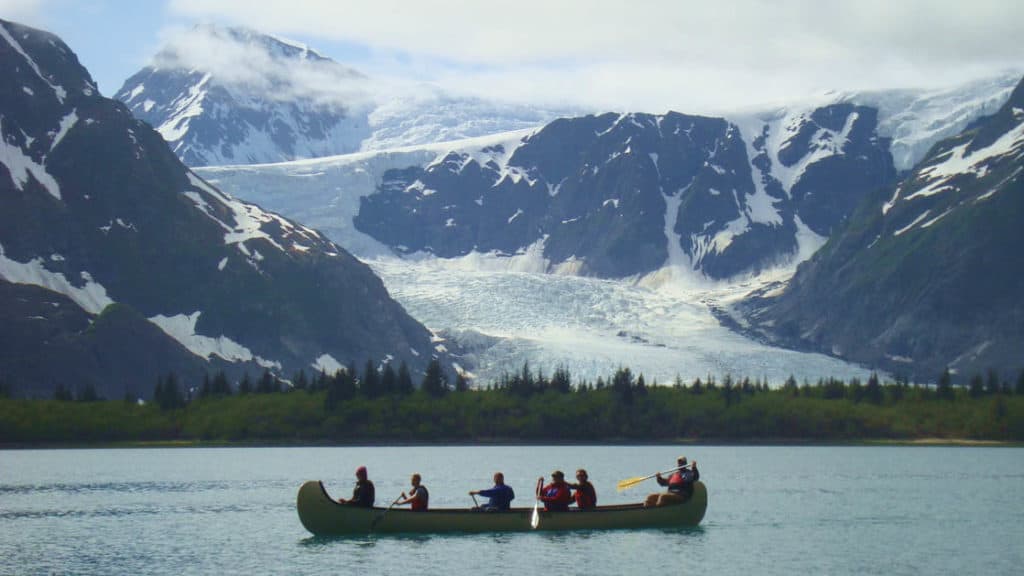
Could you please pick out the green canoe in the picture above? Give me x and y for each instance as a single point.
(322, 515)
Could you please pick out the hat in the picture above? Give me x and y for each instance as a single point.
(361, 471)
(681, 460)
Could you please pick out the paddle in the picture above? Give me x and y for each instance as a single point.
(535, 518)
(388, 509)
(630, 482)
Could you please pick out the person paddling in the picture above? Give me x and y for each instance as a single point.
(501, 495)
(363, 494)
(418, 497)
(680, 484)
(556, 496)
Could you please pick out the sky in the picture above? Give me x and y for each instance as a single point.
(645, 55)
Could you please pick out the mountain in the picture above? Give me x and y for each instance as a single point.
(225, 95)
(119, 264)
(620, 195)
(928, 273)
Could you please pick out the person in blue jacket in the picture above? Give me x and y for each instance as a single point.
(501, 495)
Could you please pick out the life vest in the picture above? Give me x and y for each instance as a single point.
(423, 499)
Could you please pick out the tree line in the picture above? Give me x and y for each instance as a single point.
(382, 404)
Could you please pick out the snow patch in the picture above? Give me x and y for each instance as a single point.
(182, 328)
(91, 297)
(327, 364)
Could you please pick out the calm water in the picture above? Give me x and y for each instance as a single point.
(772, 510)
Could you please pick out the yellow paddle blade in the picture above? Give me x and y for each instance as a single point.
(630, 482)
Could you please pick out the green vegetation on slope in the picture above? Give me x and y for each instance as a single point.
(528, 407)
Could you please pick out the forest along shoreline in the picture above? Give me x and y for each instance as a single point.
(528, 408)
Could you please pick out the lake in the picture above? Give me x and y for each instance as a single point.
(771, 510)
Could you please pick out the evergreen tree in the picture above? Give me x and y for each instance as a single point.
(641, 385)
(945, 386)
(622, 386)
(370, 384)
(267, 383)
(873, 392)
(698, 386)
(992, 382)
(88, 393)
(404, 379)
(245, 386)
(206, 389)
(62, 393)
(220, 385)
(168, 395)
(389, 380)
(461, 385)
(976, 387)
(301, 382)
(561, 380)
(435, 382)
(1020, 383)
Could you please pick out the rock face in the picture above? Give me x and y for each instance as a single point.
(928, 273)
(118, 264)
(619, 195)
(224, 96)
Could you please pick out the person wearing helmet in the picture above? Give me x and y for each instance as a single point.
(363, 494)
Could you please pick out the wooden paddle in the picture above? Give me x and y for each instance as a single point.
(535, 518)
(382, 514)
(630, 482)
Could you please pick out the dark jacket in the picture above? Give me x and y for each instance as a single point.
(363, 494)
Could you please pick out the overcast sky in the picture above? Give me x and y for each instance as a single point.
(644, 55)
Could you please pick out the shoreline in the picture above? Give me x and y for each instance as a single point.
(772, 442)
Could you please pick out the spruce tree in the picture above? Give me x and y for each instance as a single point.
(992, 382)
(873, 393)
(435, 382)
(220, 385)
(1020, 383)
(461, 384)
(976, 387)
(404, 379)
(245, 386)
(389, 380)
(370, 384)
(945, 386)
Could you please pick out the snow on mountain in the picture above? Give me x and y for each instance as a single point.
(928, 273)
(810, 161)
(119, 265)
(235, 96)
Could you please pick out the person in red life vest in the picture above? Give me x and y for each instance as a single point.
(418, 497)
(363, 494)
(557, 495)
(585, 495)
(680, 484)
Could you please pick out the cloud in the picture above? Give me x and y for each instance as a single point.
(244, 62)
(25, 11)
(656, 53)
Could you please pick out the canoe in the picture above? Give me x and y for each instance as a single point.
(322, 515)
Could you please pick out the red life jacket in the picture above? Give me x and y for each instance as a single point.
(586, 496)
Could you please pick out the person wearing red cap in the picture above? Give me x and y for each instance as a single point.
(363, 494)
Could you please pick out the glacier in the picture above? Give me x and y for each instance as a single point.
(506, 311)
